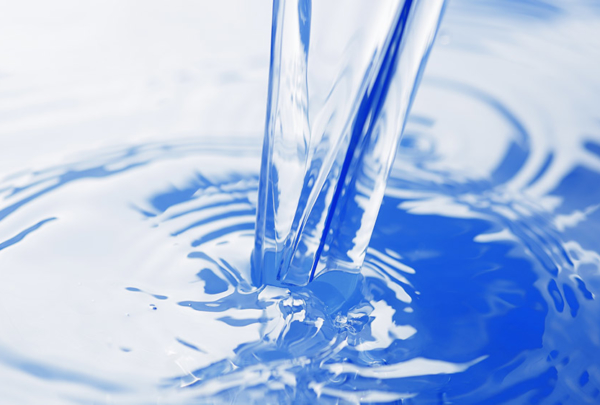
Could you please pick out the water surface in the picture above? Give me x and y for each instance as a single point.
(125, 277)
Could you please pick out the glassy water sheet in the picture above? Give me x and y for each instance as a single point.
(124, 275)
(342, 77)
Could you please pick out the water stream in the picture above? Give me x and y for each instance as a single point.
(342, 79)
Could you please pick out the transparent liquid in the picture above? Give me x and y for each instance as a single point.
(342, 78)
(125, 273)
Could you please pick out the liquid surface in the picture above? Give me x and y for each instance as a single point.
(125, 277)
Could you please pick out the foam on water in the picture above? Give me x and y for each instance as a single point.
(125, 272)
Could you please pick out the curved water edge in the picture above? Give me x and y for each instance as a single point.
(127, 274)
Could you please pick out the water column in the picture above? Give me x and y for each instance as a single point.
(343, 75)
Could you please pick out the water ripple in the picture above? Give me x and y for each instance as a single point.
(126, 271)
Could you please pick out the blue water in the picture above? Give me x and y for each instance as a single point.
(342, 79)
(125, 272)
